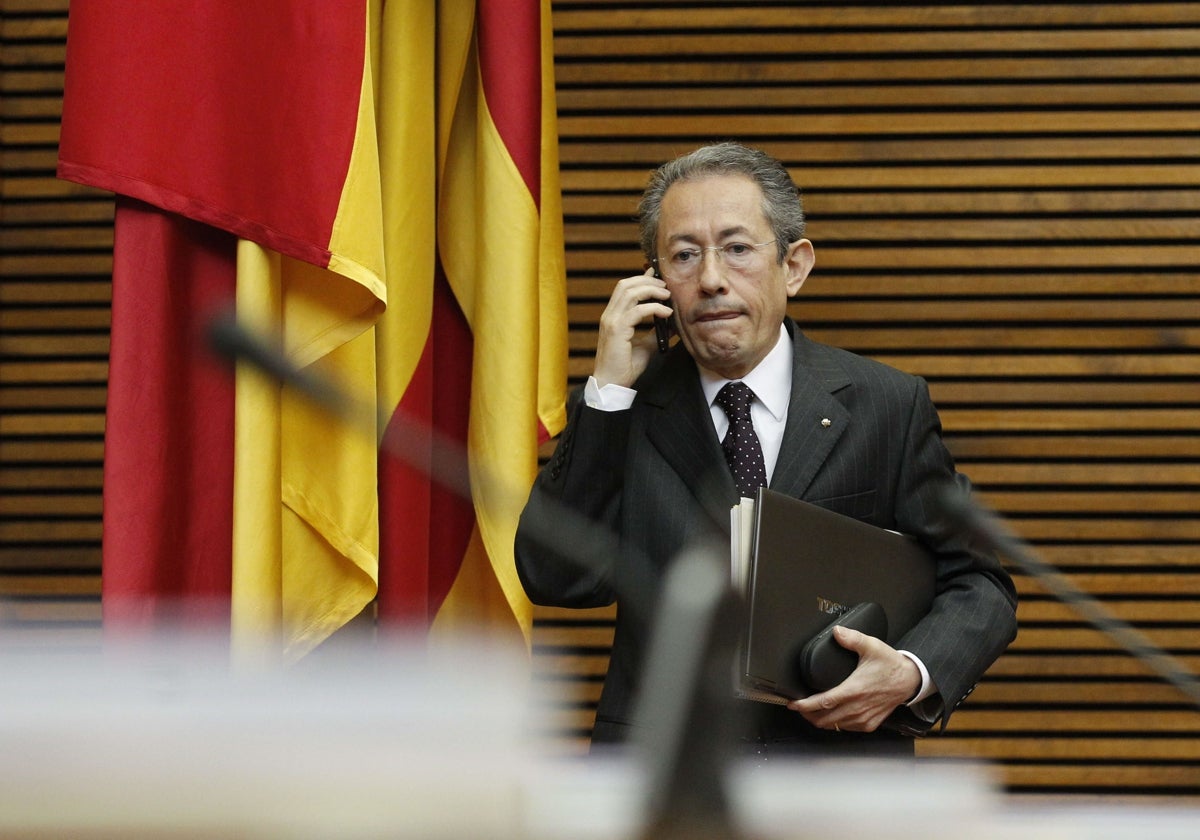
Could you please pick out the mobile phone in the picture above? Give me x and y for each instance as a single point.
(663, 328)
(662, 332)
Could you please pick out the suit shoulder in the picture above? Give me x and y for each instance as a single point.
(825, 357)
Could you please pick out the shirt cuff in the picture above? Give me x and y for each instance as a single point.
(927, 686)
(607, 398)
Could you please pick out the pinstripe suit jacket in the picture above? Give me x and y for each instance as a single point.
(656, 475)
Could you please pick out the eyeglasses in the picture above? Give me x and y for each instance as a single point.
(686, 264)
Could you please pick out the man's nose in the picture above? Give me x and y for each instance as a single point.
(712, 272)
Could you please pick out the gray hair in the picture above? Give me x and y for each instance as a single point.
(781, 199)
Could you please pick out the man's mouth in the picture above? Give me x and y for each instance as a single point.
(720, 315)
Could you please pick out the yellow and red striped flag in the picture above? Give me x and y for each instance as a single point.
(365, 179)
(481, 358)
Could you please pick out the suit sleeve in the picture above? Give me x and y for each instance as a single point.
(566, 545)
(973, 618)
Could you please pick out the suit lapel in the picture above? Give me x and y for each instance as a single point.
(680, 428)
(815, 421)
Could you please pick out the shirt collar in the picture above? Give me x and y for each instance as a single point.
(771, 379)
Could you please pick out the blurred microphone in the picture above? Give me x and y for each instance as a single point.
(685, 706)
(417, 444)
(685, 686)
(234, 343)
(420, 446)
(971, 518)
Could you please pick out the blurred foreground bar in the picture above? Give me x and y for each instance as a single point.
(159, 737)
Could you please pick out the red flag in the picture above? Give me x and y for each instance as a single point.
(242, 125)
(238, 115)
(169, 418)
(338, 195)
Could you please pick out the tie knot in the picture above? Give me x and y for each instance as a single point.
(735, 399)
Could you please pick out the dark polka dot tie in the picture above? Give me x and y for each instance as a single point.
(742, 449)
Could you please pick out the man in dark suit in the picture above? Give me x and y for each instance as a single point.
(642, 455)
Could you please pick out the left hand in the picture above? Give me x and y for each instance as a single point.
(883, 680)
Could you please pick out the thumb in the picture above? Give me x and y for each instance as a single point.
(850, 639)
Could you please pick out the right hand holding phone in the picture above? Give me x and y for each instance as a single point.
(622, 350)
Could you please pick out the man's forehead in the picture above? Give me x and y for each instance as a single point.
(720, 182)
(733, 204)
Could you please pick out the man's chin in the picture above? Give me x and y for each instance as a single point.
(720, 358)
(715, 336)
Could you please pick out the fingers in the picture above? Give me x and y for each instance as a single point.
(634, 301)
(638, 298)
(865, 699)
(843, 712)
(622, 352)
(821, 710)
(851, 639)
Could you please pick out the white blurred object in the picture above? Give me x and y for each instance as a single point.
(864, 798)
(388, 740)
(162, 738)
(584, 799)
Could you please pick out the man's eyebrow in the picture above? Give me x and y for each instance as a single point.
(736, 230)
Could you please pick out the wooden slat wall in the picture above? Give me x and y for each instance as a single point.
(1004, 199)
(55, 268)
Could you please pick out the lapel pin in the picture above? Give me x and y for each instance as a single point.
(826, 422)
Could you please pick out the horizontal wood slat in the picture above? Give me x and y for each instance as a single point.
(55, 262)
(574, 15)
(801, 97)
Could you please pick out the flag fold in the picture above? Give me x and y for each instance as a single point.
(374, 186)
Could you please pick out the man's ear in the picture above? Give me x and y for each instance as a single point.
(799, 262)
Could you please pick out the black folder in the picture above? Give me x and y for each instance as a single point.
(808, 565)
